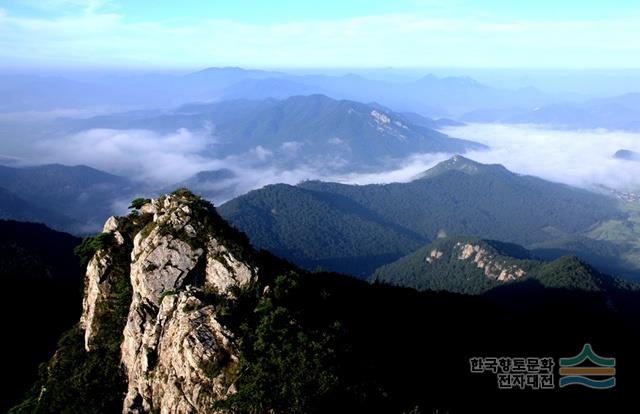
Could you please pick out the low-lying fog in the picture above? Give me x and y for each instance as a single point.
(579, 158)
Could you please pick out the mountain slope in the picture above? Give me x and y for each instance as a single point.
(38, 267)
(211, 184)
(264, 88)
(299, 130)
(180, 314)
(319, 230)
(41, 93)
(457, 197)
(617, 113)
(460, 196)
(430, 95)
(79, 192)
(475, 266)
(458, 264)
(13, 207)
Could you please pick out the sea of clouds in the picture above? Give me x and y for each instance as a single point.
(578, 158)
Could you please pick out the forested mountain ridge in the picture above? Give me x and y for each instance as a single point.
(298, 129)
(475, 266)
(317, 229)
(13, 207)
(70, 198)
(180, 313)
(456, 197)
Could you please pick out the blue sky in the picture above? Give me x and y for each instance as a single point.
(290, 34)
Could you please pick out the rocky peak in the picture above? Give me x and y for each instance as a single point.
(464, 165)
(177, 355)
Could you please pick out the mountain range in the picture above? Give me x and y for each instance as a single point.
(461, 98)
(298, 130)
(68, 198)
(15, 208)
(354, 229)
(429, 95)
(180, 313)
(475, 266)
(615, 113)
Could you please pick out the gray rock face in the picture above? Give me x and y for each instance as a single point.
(97, 284)
(177, 356)
(96, 292)
(493, 268)
(224, 270)
(199, 356)
(111, 226)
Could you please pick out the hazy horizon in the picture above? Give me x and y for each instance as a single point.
(525, 80)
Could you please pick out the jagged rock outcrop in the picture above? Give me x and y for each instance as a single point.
(96, 291)
(177, 355)
(433, 256)
(98, 286)
(223, 269)
(493, 268)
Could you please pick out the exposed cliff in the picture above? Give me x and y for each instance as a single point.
(145, 296)
(177, 355)
(172, 339)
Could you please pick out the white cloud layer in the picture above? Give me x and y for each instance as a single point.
(578, 158)
(581, 159)
(140, 154)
